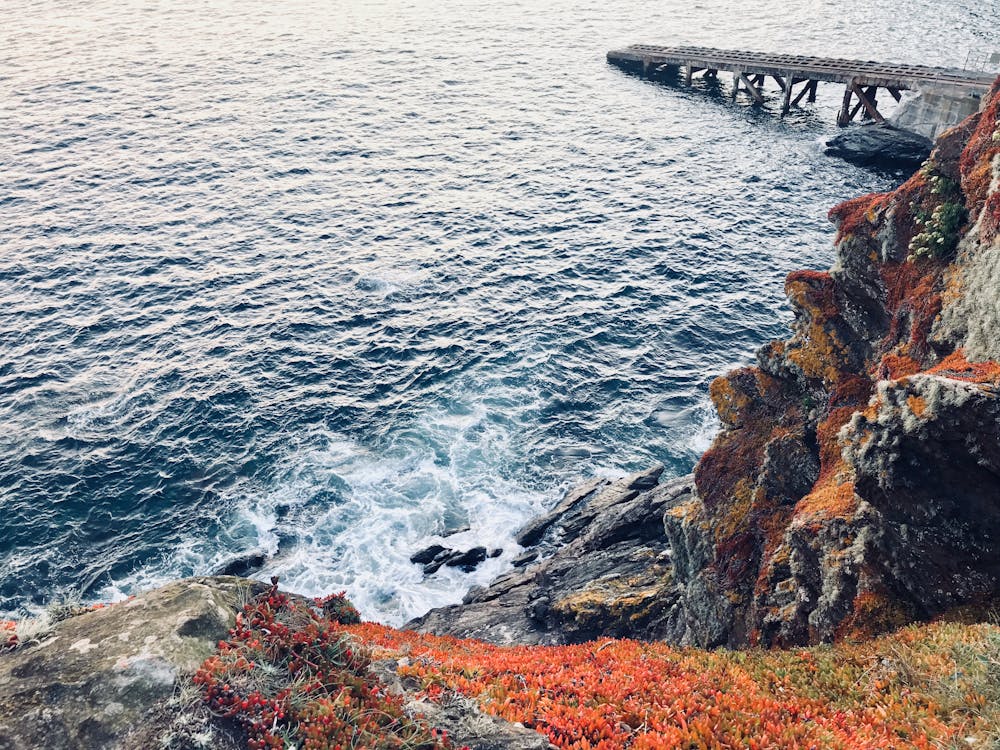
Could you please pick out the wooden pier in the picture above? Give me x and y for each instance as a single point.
(862, 79)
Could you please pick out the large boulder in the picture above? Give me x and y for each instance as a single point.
(880, 146)
(103, 679)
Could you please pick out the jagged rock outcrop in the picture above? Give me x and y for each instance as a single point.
(598, 564)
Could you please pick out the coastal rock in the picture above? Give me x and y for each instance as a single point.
(467, 560)
(243, 566)
(880, 146)
(105, 678)
(428, 554)
(602, 567)
(855, 484)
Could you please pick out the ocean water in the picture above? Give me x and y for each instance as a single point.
(331, 279)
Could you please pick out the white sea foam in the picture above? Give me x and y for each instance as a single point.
(384, 506)
(351, 516)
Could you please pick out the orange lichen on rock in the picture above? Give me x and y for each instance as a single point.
(874, 613)
(894, 366)
(857, 213)
(829, 500)
(913, 299)
(729, 402)
(957, 367)
(917, 405)
(989, 226)
(817, 350)
(977, 157)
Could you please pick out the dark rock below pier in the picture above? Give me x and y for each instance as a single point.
(880, 146)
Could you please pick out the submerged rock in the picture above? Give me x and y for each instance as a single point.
(243, 566)
(468, 560)
(427, 554)
(434, 557)
(880, 146)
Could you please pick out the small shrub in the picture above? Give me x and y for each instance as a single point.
(338, 609)
(939, 215)
(292, 678)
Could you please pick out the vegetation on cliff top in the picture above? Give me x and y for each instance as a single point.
(295, 674)
(290, 676)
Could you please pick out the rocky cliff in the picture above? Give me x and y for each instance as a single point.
(855, 485)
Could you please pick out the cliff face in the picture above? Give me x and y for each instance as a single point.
(855, 485)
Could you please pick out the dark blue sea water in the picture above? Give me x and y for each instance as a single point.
(329, 278)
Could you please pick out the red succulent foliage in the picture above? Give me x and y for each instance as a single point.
(290, 676)
(8, 635)
(618, 694)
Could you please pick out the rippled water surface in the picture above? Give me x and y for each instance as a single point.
(326, 279)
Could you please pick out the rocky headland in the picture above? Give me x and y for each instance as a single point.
(853, 490)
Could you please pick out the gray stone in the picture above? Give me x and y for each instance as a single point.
(466, 724)
(95, 679)
(880, 146)
(603, 568)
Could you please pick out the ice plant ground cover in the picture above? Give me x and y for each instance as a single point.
(294, 673)
(927, 686)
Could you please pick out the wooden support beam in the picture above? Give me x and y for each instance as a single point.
(786, 101)
(759, 79)
(867, 103)
(754, 91)
(871, 94)
(844, 116)
(736, 84)
(712, 74)
(781, 81)
(895, 93)
(805, 90)
(813, 85)
(688, 73)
